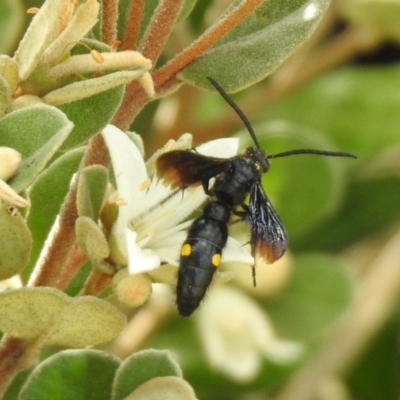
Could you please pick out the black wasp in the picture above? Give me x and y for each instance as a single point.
(235, 179)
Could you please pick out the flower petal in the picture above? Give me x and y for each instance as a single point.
(234, 251)
(139, 260)
(129, 168)
(236, 333)
(224, 148)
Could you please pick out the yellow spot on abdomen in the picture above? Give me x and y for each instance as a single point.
(186, 250)
(216, 259)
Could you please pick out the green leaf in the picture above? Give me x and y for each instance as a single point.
(59, 319)
(90, 115)
(35, 164)
(15, 243)
(91, 238)
(72, 374)
(42, 30)
(37, 132)
(13, 390)
(46, 195)
(258, 45)
(166, 388)
(320, 293)
(93, 181)
(9, 71)
(87, 321)
(140, 368)
(187, 8)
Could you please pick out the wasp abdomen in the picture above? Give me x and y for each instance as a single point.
(201, 256)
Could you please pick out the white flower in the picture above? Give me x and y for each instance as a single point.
(237, 335)
(149, 228)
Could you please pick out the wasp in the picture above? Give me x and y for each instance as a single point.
(235, 179)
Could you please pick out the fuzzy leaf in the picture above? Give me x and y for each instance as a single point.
(46, 127)
(72, 374)
(9, 71)
(166, 388)
(140, 368)
(43, 312)
(92, 240)
(258, 45)
(87, 321)
(15, 242)
(92, 187)
(85, 89)
(90, 115)
(41, 32)
(81, 22)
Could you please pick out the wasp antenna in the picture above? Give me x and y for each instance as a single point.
(236, 108)
(312, 151)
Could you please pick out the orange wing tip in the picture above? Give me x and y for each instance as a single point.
(171, 177)
(269, 251)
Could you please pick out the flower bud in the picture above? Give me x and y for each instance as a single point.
(132, 290)
(10, 161)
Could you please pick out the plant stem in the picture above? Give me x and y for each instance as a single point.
(132, 28)
(208, 39)
(76, 258)
(95, 283)
(11, 353)
(47, 272)
(165, 80)
(17, 355)
(109, 21)
(160, 28)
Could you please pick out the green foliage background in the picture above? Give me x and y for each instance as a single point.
(339, 213)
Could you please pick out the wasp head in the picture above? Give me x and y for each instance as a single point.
(259, 157)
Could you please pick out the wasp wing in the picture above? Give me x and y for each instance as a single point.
(182, 168)
(268, 234)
